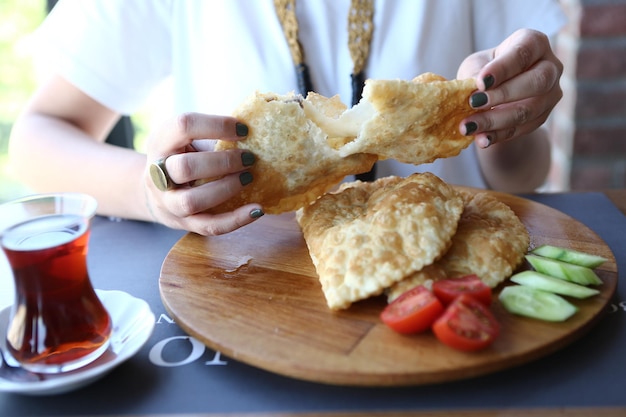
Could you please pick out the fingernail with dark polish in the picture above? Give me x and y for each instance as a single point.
(488, 81)
(256, 213)
(245, 178)
(478, 100)
(241, 129)
(247, 159)
(489, 141)
(470, 127)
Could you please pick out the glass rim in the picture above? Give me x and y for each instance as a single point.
(77, 203)
(44, 196)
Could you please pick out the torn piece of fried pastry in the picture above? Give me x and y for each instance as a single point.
(414, 122)
(304, 147)
(294, 162)
(368, 236)
(490, 242)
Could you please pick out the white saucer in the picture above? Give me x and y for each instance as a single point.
(133, 322)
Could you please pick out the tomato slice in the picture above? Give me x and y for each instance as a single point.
(448, 289)
(466, 324)
(412, 312)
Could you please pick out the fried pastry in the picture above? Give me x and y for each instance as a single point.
(304, 147)
(490, 242)
(294, 162)
(414, 121)
(368, 236)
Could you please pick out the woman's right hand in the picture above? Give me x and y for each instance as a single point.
(72, 156)
(189, 158)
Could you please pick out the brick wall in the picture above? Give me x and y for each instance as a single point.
(589, 124)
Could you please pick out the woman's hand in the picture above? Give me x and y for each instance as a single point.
(74, 157)
(183, 205)
(518, 86)
(518, 81)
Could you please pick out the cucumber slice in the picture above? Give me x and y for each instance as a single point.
(540, 281)
(537, 304)
(570, 272)
(569, 255)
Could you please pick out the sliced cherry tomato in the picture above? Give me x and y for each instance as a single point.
(412, 312)
(466, 324)
(448, 289)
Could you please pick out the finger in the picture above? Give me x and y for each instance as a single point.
(507, 115)
(516, 54)
(539, 80)
(507, 118)
(488, 138)
(473, 64)
(184, 202)
(191, 166)
(183, 130)
(219, 224)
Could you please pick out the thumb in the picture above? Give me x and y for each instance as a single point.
(472, 65)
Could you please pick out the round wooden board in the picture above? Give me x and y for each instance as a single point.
(254, 296)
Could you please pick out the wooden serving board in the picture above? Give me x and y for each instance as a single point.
(254, 296)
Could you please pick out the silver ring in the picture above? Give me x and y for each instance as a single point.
(159, 175)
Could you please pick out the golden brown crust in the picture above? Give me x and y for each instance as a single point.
(305, 147)
(415, 121)
(490, 242)
(368, 236)
(295, 164)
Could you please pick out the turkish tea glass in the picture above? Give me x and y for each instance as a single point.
(57, 322)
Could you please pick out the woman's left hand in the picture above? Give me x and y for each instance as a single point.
(518, 81)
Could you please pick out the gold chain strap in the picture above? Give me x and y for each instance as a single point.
(360, 28)
(286, 11)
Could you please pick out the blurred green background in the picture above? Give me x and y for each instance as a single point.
(17, 78)
(18, 20)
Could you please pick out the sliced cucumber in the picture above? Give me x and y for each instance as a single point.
(570, 272)
(538, 304)
(540, 281)
(570, 256)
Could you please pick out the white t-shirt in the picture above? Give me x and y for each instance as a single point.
(218, 52)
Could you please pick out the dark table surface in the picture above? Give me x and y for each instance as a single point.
(184, 377)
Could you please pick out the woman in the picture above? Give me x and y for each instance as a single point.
(106, 57)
